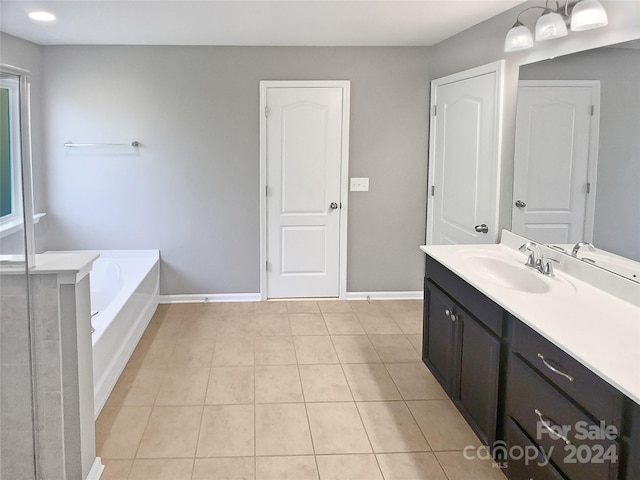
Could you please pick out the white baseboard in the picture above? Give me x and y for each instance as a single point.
(96, 470)
(212, 297)
(255, 297)
(417, 295)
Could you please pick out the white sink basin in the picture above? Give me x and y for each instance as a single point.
(507, 275)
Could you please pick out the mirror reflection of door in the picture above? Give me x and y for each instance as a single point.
(556, 151)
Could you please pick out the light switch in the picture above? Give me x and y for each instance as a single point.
(359, 185)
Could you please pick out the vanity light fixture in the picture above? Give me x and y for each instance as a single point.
(42, 16)
(585, 15)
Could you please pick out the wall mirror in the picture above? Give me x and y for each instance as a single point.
(560, 160)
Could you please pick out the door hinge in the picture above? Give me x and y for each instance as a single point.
(435, 110)
(266, 111)
(592, 110)
(266, 190)
(588, 187)
(267, 266)
(433, 190)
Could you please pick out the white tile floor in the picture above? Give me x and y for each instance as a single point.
(328, 390)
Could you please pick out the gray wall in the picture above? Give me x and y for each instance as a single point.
(192, 189)
(617, 215)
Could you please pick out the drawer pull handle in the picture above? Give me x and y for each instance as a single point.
(554, 369)
(547, 425)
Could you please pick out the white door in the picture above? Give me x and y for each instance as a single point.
(304, 154)
(554, 162)
(464, 156)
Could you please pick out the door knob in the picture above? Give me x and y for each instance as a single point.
(333, 205)
(481, 228)
(520, 204)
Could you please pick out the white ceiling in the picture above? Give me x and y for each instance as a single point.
(247, 22)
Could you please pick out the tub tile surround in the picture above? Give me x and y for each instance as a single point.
(288, 396)
(60, 309)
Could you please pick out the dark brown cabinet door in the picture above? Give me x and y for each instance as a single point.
(464, 356)
(479, 376)
(440, 337)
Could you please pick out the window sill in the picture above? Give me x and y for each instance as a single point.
(14, 226)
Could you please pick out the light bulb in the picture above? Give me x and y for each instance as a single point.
(518, 38)
(550, 25)
(588, 14)
(42, 16)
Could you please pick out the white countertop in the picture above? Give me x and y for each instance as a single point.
(595, 327)
(70, 267)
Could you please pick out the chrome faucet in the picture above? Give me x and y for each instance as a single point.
(579, 245)
(537, 261)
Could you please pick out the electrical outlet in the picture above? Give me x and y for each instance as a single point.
(359, 185)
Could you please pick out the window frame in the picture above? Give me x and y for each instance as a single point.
(11, 83)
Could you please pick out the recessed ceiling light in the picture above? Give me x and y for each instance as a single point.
(42, 16)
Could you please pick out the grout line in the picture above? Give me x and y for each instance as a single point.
(255, 429)
(360, 416)
(204, 404)
(418, 424)
(153, 406)
(306, 411)
(366, 432)
(441, 466)
(279, 455)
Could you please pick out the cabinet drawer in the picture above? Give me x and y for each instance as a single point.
(484, 309)
(537, 406)
(532, 464)
(632, 443)
(588, 390)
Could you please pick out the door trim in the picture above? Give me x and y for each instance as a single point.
(345, 85)
(594, 142)
(497, 68)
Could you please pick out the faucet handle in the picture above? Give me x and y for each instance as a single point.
(527, 246)
(547, 265)
(533, 260)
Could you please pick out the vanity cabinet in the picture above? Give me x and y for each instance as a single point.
(462, 349)
(544, 414)
(562, 408)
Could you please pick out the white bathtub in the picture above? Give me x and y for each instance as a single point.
(124, 296)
